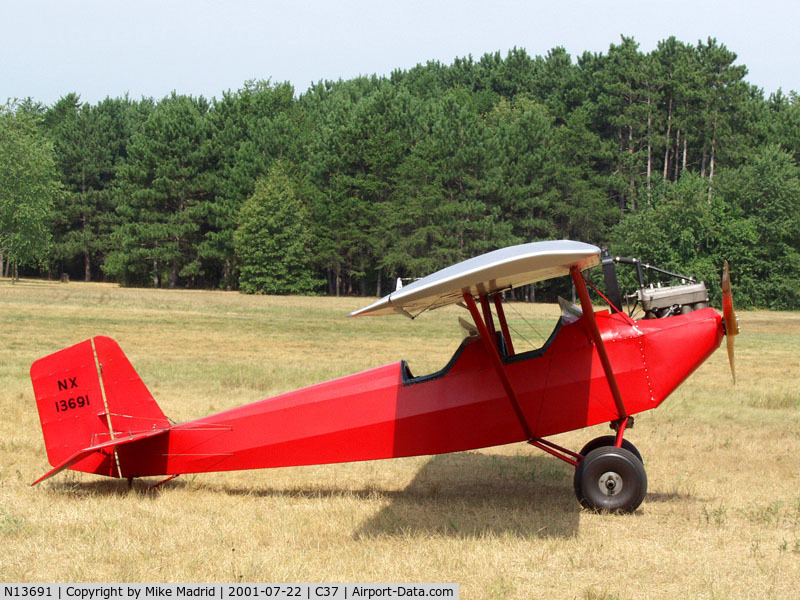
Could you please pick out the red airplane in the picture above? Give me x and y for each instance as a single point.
(98, 417)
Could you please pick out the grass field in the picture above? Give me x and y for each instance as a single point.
(721, 519)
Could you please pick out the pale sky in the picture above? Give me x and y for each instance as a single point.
(101, 48)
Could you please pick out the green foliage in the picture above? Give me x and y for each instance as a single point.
(753, 221)
(90, 144)
(28, 189)
(765, 196)
(444, 209)
(248, 131)
(669, 155)
(273, 237)
(163, 194)
(681, 231)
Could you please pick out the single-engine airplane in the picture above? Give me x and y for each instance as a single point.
(98, 417)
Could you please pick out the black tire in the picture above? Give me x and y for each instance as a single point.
(611, 479)
(600, 442)
(610, 440)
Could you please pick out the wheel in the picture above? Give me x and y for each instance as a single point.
(600, 442)
(610, 440)
(612, 479)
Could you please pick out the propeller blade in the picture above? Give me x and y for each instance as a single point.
(729, 341)
(729, 316)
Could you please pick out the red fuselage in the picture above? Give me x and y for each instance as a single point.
(385, 413)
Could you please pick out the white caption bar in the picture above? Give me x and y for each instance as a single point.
(228, 591)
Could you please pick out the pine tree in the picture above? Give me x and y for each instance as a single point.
(164, 193)
(89, 143)
(249, 130)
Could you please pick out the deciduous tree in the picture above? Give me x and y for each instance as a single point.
(28, 188)
(274, 236)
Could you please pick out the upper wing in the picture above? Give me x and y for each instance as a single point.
(502, 269)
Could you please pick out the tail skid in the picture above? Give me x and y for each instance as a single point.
(91, 401)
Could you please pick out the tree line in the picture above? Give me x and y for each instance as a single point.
(670, 156)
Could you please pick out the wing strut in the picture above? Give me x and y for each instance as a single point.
(488, 341)
(501, 316)
(487, 318)
(594, 331)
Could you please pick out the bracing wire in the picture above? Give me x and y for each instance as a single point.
(552, 364)
(529, 324)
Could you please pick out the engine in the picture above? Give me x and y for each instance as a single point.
(680, 295)
(660, 302)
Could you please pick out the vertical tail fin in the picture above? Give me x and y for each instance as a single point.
(88, 395)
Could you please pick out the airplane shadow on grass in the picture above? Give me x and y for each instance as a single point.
(469, 494)
(464, 494)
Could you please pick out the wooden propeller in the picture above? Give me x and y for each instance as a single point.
(729, 316)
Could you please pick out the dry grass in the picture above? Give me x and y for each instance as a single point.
(721, 520)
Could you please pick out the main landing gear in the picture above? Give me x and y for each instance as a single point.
(606, 477)
(610, 478)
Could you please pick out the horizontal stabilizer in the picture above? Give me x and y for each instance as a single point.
(105, 447)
